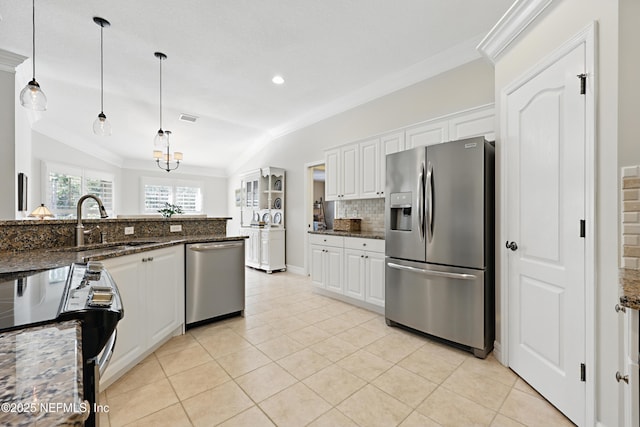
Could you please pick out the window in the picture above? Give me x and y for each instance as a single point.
(186, 194)
(64, 185)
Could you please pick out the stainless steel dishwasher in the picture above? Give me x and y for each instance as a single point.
(214, 281)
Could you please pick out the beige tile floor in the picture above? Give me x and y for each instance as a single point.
(299, 358)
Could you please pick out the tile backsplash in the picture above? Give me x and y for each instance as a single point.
(631, 217)
(371, 211)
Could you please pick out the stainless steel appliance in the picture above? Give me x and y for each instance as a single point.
(84, 292)
(439, 239)
(215, 281)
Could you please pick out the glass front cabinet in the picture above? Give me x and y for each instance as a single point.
(263, 218)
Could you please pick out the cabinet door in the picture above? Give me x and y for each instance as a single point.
(479, 123)
(164, 294)
(332, 174)
(264, 251)
(128, 273)
(369, 169)
(353, 273)
(374, 278)
(317, 265)
(349, 171)
(334, 260)
(389, 144)
(427, 134)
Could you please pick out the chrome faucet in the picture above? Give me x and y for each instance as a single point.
(79, 227)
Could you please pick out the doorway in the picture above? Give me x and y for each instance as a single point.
(319, 213)
(548, 223)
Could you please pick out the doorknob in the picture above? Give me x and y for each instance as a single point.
(513, 246)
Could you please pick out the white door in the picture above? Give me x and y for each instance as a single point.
(317, 265)
(349, 171)
(545, 145)
(374, 279)
(333, 276)
(332, 189)
(427, 134)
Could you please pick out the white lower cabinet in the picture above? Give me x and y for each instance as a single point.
(151, 286)
(327, 263)
(265, 248)
(349, 266)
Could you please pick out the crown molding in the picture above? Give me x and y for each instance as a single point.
(9, 60)
(510, 26)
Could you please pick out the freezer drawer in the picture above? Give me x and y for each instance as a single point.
(455, 304)
(214, 280)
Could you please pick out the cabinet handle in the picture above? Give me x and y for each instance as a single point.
(364, 244)
(150, 258)
(620, 308)
(144, 260)
(366, 256)
(361, 256)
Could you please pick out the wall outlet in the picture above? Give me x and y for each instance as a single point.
(175, 228)
(128, 230)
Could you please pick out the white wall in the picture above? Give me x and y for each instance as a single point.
(7, 145)
(556, 25)
(214, 196)
(467, 86)
(127, 181)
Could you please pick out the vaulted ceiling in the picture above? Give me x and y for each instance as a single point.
(222, 55)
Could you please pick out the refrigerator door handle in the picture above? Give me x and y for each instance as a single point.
(420, 201)
(432, 272)
(429, 196)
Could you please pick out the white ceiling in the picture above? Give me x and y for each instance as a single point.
(222, 54)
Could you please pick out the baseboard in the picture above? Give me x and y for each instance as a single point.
(497, 353)
(295, 269)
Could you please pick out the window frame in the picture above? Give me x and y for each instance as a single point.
(84, 174)
(173, 184)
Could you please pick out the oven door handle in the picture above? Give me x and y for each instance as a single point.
(105, 357)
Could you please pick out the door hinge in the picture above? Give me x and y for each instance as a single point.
(582, 228)
(583, 372)
(583, 83)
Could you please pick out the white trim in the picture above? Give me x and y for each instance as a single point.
(587, 37)
(9, 61)
(308, 202)
(294, 269)
(513, 22)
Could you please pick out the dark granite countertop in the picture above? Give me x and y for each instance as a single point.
(41, 368)
(40, 259)
(363, 234)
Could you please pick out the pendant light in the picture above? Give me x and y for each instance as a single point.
(161, 140)
(101, 126)
(166, 162)
(32, 96)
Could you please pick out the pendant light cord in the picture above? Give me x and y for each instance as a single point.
(160, 93)
(33, 34)
(101, 70)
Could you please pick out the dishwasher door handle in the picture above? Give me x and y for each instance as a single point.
(205, 247)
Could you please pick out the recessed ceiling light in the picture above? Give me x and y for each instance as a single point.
(278, 80)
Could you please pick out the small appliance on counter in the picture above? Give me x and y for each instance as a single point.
(84, 292)
(439, 242)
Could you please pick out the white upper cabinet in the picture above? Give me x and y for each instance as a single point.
(427, 134)
(342, 173)
(390, 143)
(358, 170)
(478, 123)
(369, 169)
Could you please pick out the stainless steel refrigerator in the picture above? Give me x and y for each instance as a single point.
(439, 239)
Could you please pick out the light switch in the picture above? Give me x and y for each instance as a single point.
(128, 230)
(174, 228)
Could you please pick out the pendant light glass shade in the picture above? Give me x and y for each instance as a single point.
(32, 96)
(101, 126)
(162, 138)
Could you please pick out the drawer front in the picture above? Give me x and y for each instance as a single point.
(326, 240)
(371, 245)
